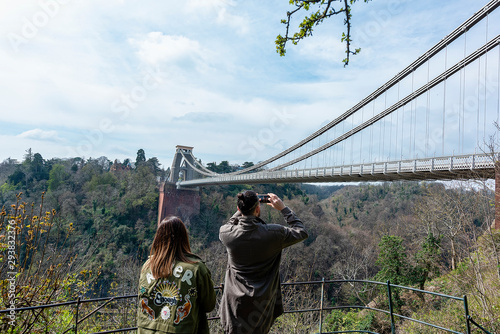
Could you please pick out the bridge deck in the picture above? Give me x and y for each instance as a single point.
(454, 167)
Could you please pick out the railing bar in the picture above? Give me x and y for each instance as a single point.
(39, 307)
(425, 323)
(428, 292)
(334, 281)
(477, 325)
(356, 307)
(350, 331)
(97, 309)
(301, 283)
(354, 280)
(303, 311)
(70, 303)
(324, 308)
(117, 330)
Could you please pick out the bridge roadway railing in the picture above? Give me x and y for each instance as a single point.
(78, 320)
(449, 167)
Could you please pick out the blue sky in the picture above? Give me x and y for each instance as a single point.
(106, 78)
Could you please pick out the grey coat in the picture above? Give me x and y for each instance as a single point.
(252, 292)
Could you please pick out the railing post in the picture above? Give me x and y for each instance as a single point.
(466, 309)
(389, 293)
(76, 314)
(321, 305)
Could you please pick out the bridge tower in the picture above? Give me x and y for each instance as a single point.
(181, 169)
(181, 202)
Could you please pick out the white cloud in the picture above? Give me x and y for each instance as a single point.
(204, 117)
(39, 134)
(222, 12)
(238, 23)
(323, 50)
(156, 47)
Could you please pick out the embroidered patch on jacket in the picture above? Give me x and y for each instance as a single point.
(183, 311)
(166, 293)
(150, 277)
(148, 310)
(165, 312)
(192, 292)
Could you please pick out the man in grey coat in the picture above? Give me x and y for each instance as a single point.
(252, 292)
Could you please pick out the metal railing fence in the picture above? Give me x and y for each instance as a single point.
(321, 309)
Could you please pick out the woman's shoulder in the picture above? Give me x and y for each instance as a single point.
(197, 262)
(195, 259)
(145, 265)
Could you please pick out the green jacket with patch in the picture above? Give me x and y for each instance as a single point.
(177, 303)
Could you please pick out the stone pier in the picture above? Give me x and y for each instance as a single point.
(183, 203)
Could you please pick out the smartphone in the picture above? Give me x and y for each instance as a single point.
(264, 199)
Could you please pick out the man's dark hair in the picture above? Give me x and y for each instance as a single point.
(247, 202)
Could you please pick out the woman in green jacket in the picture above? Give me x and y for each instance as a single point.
(175, 287)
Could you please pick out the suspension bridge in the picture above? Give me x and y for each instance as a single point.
(437, 119)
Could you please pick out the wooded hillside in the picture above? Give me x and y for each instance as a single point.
(98, 217)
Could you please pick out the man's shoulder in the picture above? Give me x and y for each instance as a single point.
(274, 227)
(226, 228)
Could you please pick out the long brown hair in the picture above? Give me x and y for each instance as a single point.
(171, 243)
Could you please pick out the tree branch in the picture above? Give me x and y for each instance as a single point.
(305, 28)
